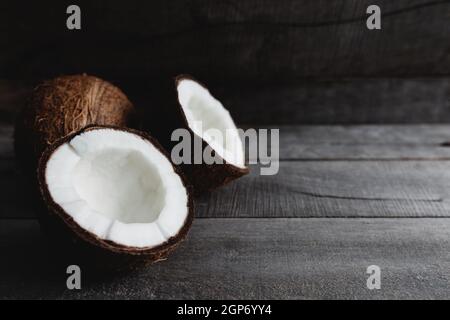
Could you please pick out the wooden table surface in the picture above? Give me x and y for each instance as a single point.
(345, 197)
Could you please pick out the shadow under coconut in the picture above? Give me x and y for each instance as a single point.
(34, 267)
(27, 266)
(36, 255)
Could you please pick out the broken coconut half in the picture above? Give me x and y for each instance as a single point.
(117, 189)
(206, 118)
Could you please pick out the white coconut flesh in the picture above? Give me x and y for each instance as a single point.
(119, 187)
(208, 119)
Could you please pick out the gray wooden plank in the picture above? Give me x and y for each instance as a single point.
(371, 135)
(345, 101)
(361, 142)
(307, 189)
(317, 184)
(254, 259)
(228, 40)
(336, 189)
(334, 142)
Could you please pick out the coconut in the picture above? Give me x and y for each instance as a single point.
(62, 106)
(200, 113)
(116, 193)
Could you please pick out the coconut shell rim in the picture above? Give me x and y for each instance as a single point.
(90, 237)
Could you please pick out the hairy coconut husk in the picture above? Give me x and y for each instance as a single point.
(78, 245)
(64, 105)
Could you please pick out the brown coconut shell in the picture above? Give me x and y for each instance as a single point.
(202, 177)
(84, 247)
(64, 105)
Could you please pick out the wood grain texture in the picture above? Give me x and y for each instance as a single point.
(253, 259)
(348, 101)
(227, 40)
(325, 171)
(365, 142)
(337, 189)
(335, 142)
(345, 101)
(307, 189)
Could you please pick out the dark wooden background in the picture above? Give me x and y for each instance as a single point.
(255, 40)
(317, 56)
(364, 159)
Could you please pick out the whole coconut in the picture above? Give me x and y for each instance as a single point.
(62, 106)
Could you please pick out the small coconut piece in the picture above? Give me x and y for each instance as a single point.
(196, 110)
(203, 114)
(116, 191)
(62, 106)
